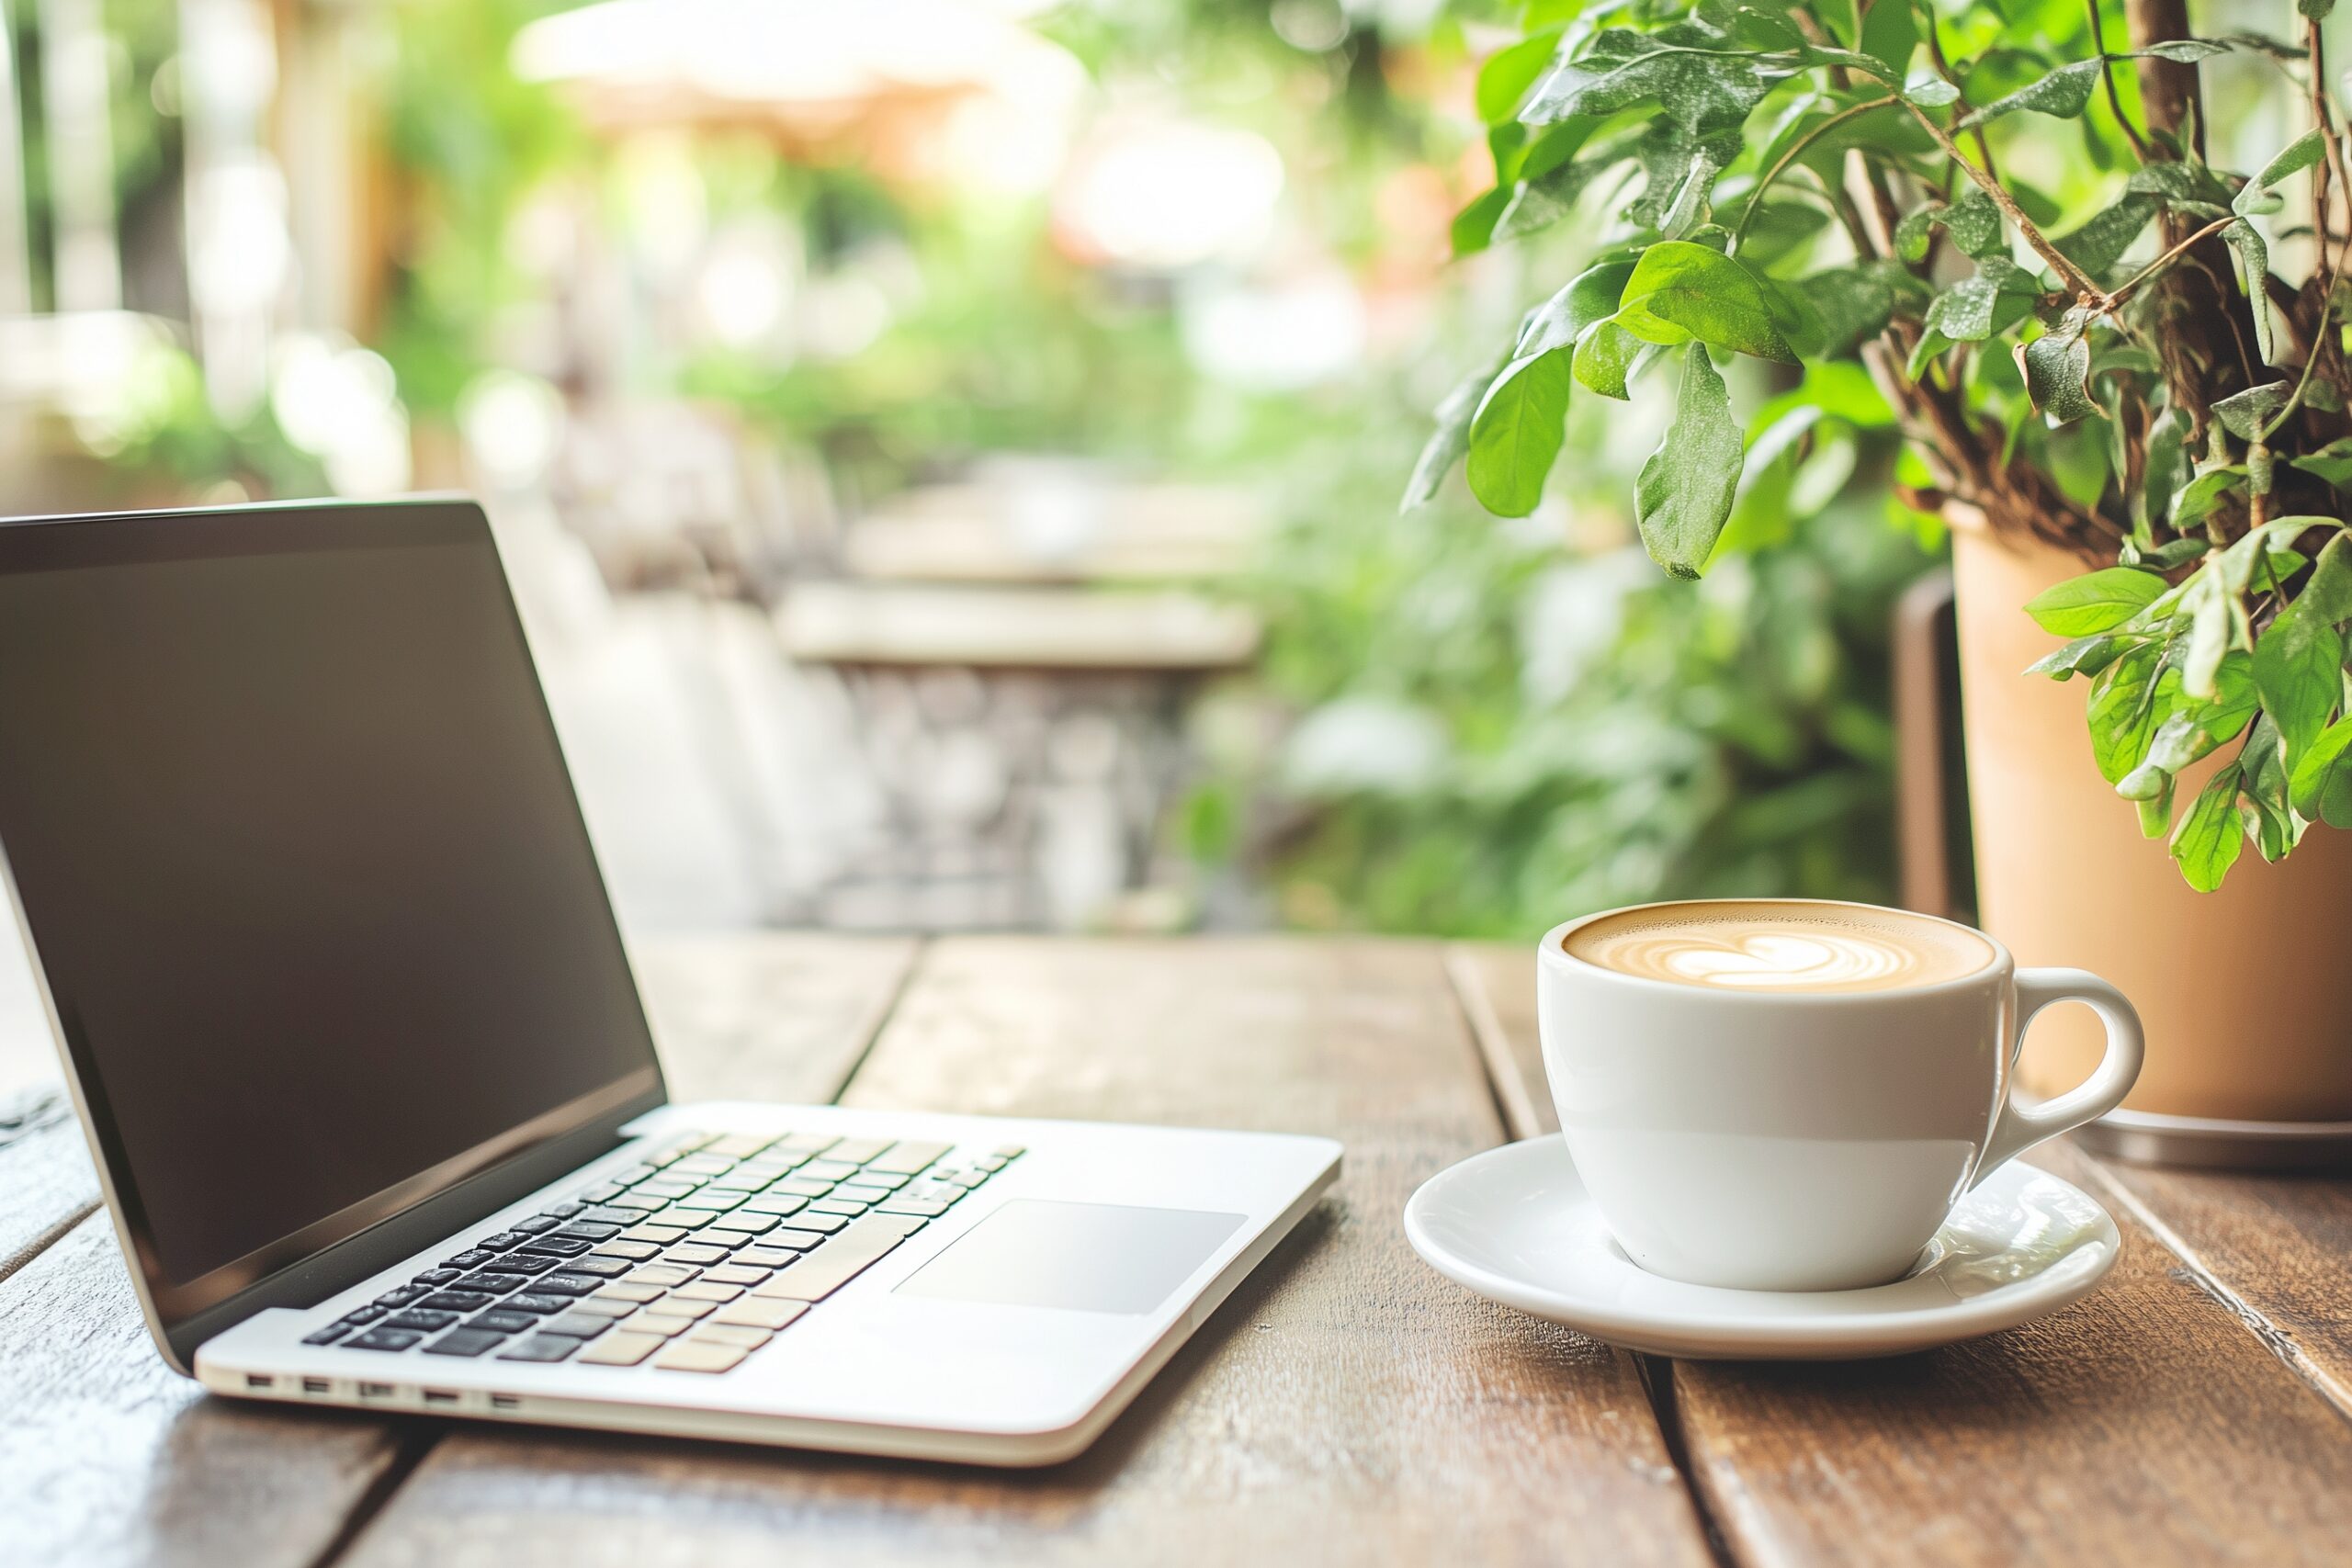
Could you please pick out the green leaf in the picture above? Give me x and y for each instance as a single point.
(1604, 357)
(1448, 441)
(2254, 260)
(1914, 235)
(2197, 499)
(1975, 224)
(1853, 302)
(2332, 462)
(1995, 299)
(2180, 51)
(2126, 704)
(1890, 34)
(2103, 238)
(2246, 414)
(2084, 656)
(1685, 69)
(2269, 817)
(2299, 665)
(2057, 370)
(1685, 489)
(1680, 290)
(2156, 813)
(2162, 471)
(2207, 842)
(1591, 295)
(1473, 226)
(2192, 732)
(2095, 601)
(2321, 783)
(2063, 93)
(2317, 10)
(2261, 194)
(1508, 72)
(2328, 592)
(1517, 433)
(1930, 90)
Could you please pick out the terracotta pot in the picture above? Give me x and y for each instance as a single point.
(2246, 992)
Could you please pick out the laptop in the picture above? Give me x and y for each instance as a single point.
(373, 1098)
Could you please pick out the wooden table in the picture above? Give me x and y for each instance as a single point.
(1346, 1405)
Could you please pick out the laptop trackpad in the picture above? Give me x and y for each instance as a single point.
(1079, 1256)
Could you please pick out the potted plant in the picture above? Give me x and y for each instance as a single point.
(2116, 349)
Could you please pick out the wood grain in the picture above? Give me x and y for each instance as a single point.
(1498, 985)
(1346, 1404)
(2156, 1422)
(47, 1184)
(767, 1015)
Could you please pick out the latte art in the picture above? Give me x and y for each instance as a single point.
(1780, 946)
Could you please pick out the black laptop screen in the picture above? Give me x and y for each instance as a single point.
(291, 832)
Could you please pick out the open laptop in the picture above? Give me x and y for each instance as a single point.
(370, 1089)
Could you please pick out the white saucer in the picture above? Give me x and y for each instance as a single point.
(1516, 1226)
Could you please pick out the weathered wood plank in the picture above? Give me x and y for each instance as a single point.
(2146, 1424)
(46, 1185)
(2276, 1246)
(1496, 981)
(107, 1456)
(1346, 1404)
(767, 1015)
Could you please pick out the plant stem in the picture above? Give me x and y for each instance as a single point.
(2075, 279)
(1739, 231)
(1943, 69)
(2107, 74)
(2167, 259)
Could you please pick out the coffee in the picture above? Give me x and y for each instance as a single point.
(1776, 945)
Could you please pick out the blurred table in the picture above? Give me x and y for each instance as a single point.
(1346, 1404)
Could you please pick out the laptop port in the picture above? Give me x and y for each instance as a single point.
(375, 1391)
(259, 1380)
(440, 1396)
(506, 1402)
(316, 1385)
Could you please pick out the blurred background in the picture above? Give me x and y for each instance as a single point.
(948, 450)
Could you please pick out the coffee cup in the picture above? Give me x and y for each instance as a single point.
(1792, 1094)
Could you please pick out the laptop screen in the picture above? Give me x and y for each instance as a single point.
(291, 832)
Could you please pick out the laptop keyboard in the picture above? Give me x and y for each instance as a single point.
(687, 1261)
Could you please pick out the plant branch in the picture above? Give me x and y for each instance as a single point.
(1943, 69)
(2107, 74)
(2166, 260)
(2077, 281)
(1755, 200)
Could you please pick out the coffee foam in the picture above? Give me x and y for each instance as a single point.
(1771, 945)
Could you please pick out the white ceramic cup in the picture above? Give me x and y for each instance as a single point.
(1782, 1139)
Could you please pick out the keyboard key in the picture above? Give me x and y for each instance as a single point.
(383, 1339)
(603, 1268)
(536, 1223)
(457, 1300)
(603, 1216)
(736, 1274)
(966, 1179)
(660, 1236)
(473, 1258)
(808, 1143)
(716, 1333)
(738, 1145)
(437, 1277)
(367, 1314)
(602, 1307)
(775, 1203)
(631, 1204)
(716, 1199)
(928, 1191)
(629, 1291)
(908, 1157)
(682, 1218)
(900, 1225)
(662, 1327)
(838, 1206)
(468, 1341)
(588, 1231)
(1009, 1151)
(569, 1285)
(920, 1207)
(857, 1192)
(666, 1187)
(879, 1178)
(662, 1274)
(540, 1348)
(706, 1290)
(527, 1263)
(500, 1242)
(561, 1211)
(824, 1225)
(991, 1162)
(800, 1186)
(494, 1284)
(742, 1225)
(422, 1320)
(696, 1253)
(827, 1170)
(577, 1324)
(503, 1321)
(757, 1313)
(833, 1265)
(635, 1251)
(327, 1335)
(671, 1306)
(403, 1295)
(701, 1358)
(856, 1151)
(621, 1349)
(628, 1175)
(715, 1235)
(603, 1193)
(703, 1165)
(555, 1246)
(777, 1248)
(531, 1301)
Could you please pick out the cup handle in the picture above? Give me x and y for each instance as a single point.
(2017, 1129)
